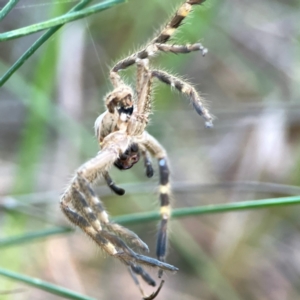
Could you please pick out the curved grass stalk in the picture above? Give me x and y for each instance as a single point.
(7, 8)
(61, 20)
(43, 285)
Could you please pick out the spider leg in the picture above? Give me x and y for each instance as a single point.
(148, 164)
(88, 212)
(119, 191)
(97, 206)
(138, 270)
(188, 90)
(141, 76)
(99, 213)
(176, 21)
(111, 244)
(81, 196)
(133, 270)
(162, 38)
(153, 295)
(81, 222)
(154, 147)
(165, 209)
(181, 48)
(143, 88)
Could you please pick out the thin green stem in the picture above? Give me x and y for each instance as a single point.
(18, 202)
(209, 209)
(43, 285)
(33, 236)
(176, 213)
(7, 8)
(37, 44)
(66, 18)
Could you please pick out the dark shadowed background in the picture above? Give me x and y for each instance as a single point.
(250, 79)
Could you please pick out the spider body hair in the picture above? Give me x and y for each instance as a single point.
(123, 140)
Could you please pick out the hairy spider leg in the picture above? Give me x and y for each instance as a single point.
(124, 124)
(141, 112)
(93, 202)
(185, 88)
(159, 44)
(90, 216)
(144, 101)
(157, 151)
(188, 48)
(148, 164)
(149, 52)
(152, 146)
(179, 84)
(176, 21)
(144, 104)
(143, 86)
(162, 38)
(119, 191)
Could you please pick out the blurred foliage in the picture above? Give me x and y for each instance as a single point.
(250, 79)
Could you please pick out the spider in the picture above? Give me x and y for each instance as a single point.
(121, 133)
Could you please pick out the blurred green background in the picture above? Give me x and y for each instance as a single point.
(250, 78)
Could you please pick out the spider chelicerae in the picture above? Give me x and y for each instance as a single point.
(121, 133)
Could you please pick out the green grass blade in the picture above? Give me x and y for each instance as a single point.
(176, 213)
(31, 50)
(34, 128)
(209, 209)
(7, 8)
(25, 238)
(69, 17)
(43, 285)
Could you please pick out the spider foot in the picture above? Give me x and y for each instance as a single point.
(116, 189)
(154, 294)
(152, 262)
(137, 270)
(129, 257)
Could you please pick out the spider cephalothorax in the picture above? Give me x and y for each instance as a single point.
(121, 133)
